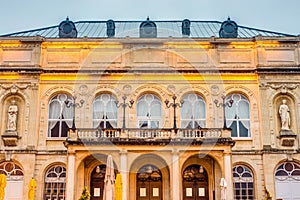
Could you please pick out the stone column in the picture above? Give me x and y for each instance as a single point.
(70, 186)
(124, 173)
(175, 176)
(228, 175)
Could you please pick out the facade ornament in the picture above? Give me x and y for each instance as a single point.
(12, 116)
(282, 87)
(15, 87)
(284, 113)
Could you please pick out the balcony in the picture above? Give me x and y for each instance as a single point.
(136, 136)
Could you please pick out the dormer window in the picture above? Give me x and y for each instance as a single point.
(148, 29)
(67, 29)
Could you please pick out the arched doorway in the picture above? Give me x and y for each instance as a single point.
(97, 182)
(287, 181)
(15, 177)
(195, 183)
(149, 183)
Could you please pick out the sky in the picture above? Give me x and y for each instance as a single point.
(272, 15)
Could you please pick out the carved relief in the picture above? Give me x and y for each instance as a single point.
(282, 87)
(15, 87)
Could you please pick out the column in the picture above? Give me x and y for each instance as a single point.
(228, 175)
(70, 186)
(124, 173)
(175, 175)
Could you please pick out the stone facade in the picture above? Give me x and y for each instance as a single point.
(264, 70)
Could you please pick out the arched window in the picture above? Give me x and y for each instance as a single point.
(192, 112)
(287, 181)
(243, 183)
(149, 111)
(15, 177)
(55, 183)
(105, 112)
(60, 116)
(238, 115)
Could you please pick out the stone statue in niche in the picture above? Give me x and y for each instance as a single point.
(12, 116)
(284, 113)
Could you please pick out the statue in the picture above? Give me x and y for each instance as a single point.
(31, 189)
(12, 116)
(2, 186)
(284, 113)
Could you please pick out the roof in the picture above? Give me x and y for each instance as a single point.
(97, 29)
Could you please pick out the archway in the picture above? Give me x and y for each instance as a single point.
(15, 178)
(195, 183)
(287, 181)
(149, 183)
(200, 177)
(155, 168)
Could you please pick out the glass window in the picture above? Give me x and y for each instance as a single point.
(243, 183)
(238, 115)
(55, 183)
(60, 116)
(149, 112)
(105, 112)
(192, 112)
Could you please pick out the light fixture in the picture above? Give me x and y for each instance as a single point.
(201, 170)
(149, 169)
(98, 169)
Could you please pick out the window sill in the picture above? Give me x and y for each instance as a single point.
(242, 138)
(56, 138)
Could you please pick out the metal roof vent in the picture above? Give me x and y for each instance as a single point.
(229, 29)
(67, 29)
(110, 28)
(148, 29)
(185, 28)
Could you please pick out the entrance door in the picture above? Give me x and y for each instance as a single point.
(287, 181)
(14, 177)
(149, 183)
(97, 182)
(195, 183)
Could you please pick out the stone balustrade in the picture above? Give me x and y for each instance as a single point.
(136, 133)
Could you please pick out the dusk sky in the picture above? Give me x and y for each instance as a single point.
(273, 15)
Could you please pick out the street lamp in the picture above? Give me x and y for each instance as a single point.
(224, 104)
(174, 105)
(74, 105)
(124, 105)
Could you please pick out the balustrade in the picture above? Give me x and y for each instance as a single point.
(135, 133)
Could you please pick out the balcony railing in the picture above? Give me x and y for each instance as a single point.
(88, 134)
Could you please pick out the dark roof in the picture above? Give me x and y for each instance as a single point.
(97, 29)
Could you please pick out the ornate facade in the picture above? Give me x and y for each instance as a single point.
(183, 117)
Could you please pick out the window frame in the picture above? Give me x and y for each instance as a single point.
(244, 182)
(188, 98)
(63, 126)
(148, 118)
(106, 120)
(239, 122)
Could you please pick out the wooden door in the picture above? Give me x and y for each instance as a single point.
(195, 183)
(149, 183)
(97, 182)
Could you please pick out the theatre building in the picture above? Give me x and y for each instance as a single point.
(188, 110)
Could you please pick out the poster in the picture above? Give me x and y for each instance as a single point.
(155, 192)
(189, 192)
(201, 192)
(96, 192)
(142, 192)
